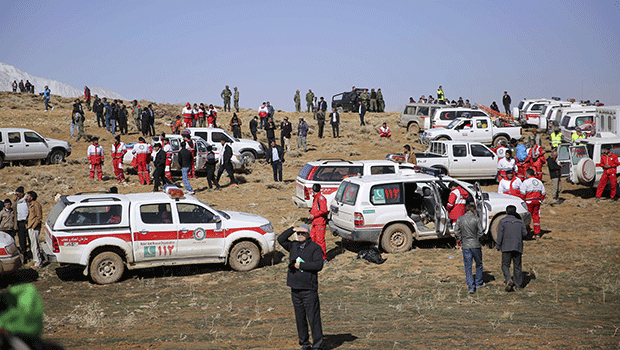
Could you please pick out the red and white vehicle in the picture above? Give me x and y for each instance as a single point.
(329, 174)
(10, 259)
(529, 111)
(106, 233)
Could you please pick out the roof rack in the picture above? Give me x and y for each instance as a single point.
(327, 160)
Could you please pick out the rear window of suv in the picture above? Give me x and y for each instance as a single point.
(336, 173)
(386, 194)
(347, 193)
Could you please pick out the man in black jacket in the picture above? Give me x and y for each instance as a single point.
(555, 175)
(225, 164)
(160, 165)
(305, 261)
(510, 233)
(210, 167)
(185, 161)
(275, 156)
(334, 120)
(361, 109)
(286, 128)
(506, 102)
(254, 127)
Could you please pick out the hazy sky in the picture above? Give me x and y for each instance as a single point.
(179, 51)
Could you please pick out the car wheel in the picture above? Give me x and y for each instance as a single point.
(443, 138)
(500, 139)
(249, 156)
(339, 109)
(397, 239)
(57, 157)
(107, 267)
(413, 128)
(1, 161)
(494, 225)
(244, 256)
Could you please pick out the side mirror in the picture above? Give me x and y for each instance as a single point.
(216, 219)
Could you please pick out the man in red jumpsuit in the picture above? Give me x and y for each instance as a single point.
(142, 152)
(609, 163)
(187, 115)
(534, 192)
(456, 201)
(318, 215)
(536, 155)
(95, 157)
(118, 152)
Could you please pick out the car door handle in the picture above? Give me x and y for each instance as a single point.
(183, 230)
(473, 160)
(27, 145)
(143, 232)
(456, 160)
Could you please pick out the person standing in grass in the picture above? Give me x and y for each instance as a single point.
(510, 233)
(305, 261)
(468, 232)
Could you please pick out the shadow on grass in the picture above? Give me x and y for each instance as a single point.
(528, 276)
(26, 275)
(332, 341)
(583, 192)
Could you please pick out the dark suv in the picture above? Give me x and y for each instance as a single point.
(347, 101)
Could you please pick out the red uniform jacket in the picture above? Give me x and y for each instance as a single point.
(319, 210)
(612, 161)
(456, 203)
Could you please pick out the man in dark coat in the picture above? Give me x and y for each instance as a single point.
(225, 164)
(160, 165)
(210, 167)
(334, 120)
(506, 102)
(305, 261)
(254, 127)
(361, 109)
(185, 162)
(275, 157)
(510, 233)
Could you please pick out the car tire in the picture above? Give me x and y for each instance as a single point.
(413, 128)
(249, 155)
(397, 238)
(244, 256)
(1, 161)
(499, 139)
(443, 138)
(107, 267)
(494, 225)
(57, 156)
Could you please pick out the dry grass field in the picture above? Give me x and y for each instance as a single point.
(417, 299)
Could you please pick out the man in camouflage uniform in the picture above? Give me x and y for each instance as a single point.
(309, 99)
(365, 98)
(226, 93)
(236, 99)
(297, 100)
(380, 102)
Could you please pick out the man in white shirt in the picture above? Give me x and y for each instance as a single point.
(510, 185)
(505, 164)
(275, 156)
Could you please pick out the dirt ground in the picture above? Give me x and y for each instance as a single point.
(417, 299)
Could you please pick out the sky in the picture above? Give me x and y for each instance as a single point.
(187, 51)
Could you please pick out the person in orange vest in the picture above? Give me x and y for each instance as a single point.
(609, 163)
(176, 124)
(536, 155)
(534, 192)
(142, 154)
(456, 201)
(318, 215)
(118, 152)
(95, 157)
(167, 148)
(187, 115)
(510, 185)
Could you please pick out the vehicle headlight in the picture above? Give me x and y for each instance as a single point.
(267, 227)
(524, 205)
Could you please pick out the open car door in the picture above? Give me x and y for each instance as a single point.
(481, 207)
(564, 159)
(441, 213)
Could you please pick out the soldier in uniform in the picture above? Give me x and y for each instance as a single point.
(365, 98)
(373, 100)
(136, 115)
(297, 100)
(236, 99)
(226, 93)
(309, 99)
(380, 102)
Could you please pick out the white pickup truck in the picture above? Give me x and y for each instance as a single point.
(478, 129)
(462, 160)
(108, 233)
(23, 144)
(249, 149)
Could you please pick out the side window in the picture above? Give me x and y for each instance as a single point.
(478, 114)
(0, 137)
(337, 98)
(582, 120)
(382, 169)
(537, 107)
(410, 110)
(615, 148)
(386, 194)
(30, 136)
(459, 151)
(217, 136)
(176, 144)
(204, 135)
(15, 137)
(480, 151)
(481, 124)
(194, 214)
(347, 193)
(95, 215)
(156, 213)
(201, 147)
(422, 111)
(336, 173)
(447, 115)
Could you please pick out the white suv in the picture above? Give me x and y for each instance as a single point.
(329, 174)
(106, 233)
(391, 211)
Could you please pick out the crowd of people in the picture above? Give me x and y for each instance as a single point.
(26, 87)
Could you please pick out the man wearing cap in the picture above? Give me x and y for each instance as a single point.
(225, 95)
(187, 115)
(381, 102)
(20, 208)
(305, 261)
(302, 133)
(275, 156)
(318, 215)
(236, 99)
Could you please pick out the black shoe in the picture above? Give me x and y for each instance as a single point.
(614, 199)
(509, 286)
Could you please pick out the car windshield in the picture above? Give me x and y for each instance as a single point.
(453, 124)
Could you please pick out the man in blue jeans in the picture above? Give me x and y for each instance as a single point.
(185, 161)
(468, 231)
